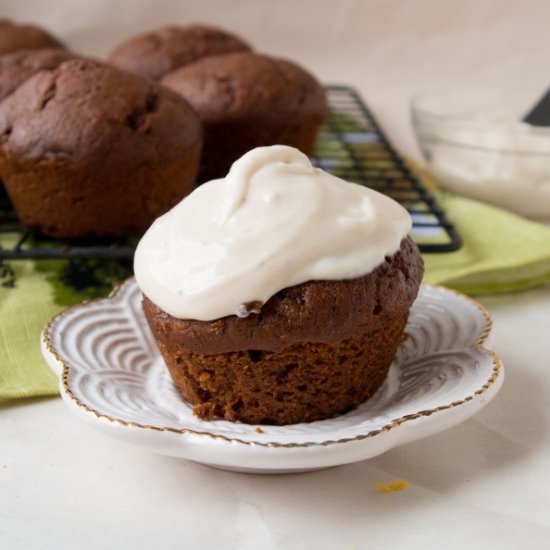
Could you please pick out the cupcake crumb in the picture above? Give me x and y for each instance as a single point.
(259, 430)
(393, 486)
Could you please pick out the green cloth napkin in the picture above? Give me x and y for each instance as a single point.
(501, 253)
(24, 310)
(30, 294)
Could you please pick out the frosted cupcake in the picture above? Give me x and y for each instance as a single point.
(280, 293)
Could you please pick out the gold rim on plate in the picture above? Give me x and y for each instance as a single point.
(395, 423)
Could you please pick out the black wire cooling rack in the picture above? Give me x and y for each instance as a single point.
(351, 145)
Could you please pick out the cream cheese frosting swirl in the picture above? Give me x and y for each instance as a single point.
(274, 221)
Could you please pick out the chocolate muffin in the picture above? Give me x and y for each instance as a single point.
(18, 66)
(87, 150)
(313, 351)
(14, 36)
(157, 53)
(246, 100)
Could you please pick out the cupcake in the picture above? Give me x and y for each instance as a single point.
(157, 53)
(87, 150)
(278, 294)
(18, 66)
(15, 37)
(246, 100)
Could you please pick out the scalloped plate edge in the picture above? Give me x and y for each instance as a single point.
(272, 457)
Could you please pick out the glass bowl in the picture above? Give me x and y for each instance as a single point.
(476, 145)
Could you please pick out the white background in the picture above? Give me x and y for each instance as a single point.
(484, 484)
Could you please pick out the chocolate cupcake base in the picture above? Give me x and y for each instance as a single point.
(314, 351)
(306, 382)
(247, 100)
(88, 151)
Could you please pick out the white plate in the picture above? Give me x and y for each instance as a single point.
(112, 376)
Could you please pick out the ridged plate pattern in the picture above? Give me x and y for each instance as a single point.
(111, 371)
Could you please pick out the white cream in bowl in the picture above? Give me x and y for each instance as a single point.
(486, 152)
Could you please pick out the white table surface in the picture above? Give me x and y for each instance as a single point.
(484, 484)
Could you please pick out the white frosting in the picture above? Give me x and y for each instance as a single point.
(494, 157)
(275, 221)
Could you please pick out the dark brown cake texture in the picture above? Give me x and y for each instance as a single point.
(247, 100)
(315, 350)
(15, 36)
(17, 67)
(157, 53)
(89, 150)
